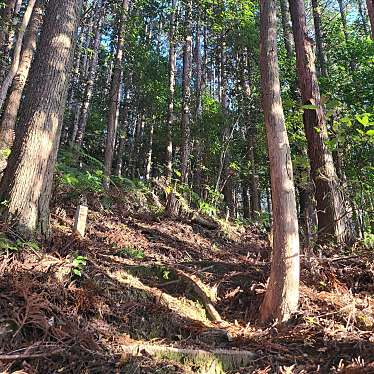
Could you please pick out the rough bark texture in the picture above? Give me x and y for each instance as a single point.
(330, 207)
(319, 38)
(287, 32)
(115, 97)
(12, 104)
(170, 115)
(27, 181)
(187, 72)
(370, 6)
(282, 294)
(16, 53)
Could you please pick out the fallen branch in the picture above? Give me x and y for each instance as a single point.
(29, 355)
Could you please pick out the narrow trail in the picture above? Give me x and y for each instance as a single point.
(170, 296)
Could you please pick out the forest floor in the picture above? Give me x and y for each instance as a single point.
(145, 294)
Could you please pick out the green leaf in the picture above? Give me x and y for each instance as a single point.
(309, 106)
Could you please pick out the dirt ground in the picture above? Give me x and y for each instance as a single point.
(145, 283)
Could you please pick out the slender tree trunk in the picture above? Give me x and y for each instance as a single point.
(361, 12)
(344, 19)
(114, 97)
(27, 181)
(6, 13)
(170, 114)
(187, 72)
(12, 104)
(370, 6)
(287, 32)
(330, 207)
(123, 131)
(17, 53)
(319, 38)
(148, 165)
(91, 75)
(282, 294)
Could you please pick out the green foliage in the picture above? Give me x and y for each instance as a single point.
(17, 245)
(78, 265)
(131, 252)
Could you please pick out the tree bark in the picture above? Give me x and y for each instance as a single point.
(282, 294)
(91, 75)
(115, 97)
(187, 72)
(12, 104)
(330, 207)
(344, 20)
(321, 58)
(287, 32)
(27, 181)
(361, 12)
(170, 114)
(6, 13)
(370, 6)
(16, 53)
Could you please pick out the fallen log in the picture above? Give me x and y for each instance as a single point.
(217, 361)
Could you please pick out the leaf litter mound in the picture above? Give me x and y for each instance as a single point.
(157, 295)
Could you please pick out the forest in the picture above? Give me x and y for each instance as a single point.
(186, 186)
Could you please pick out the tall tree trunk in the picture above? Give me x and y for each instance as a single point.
(123, 131)
(12, 104)
(330, 207)
(319, 38)
(344, 19)
(148, 165)
(27, 181)
(170, 114)
(282, 294)
(187, 72)
(6, 13)
(361, 12)
(91, 75)
(115, 97)
(16, 53)
(287, 32)
(370, 6)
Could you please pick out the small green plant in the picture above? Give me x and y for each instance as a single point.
(78, 264)
(131, 252)
(15, 246)
(369, 240)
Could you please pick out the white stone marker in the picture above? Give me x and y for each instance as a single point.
(80, 220)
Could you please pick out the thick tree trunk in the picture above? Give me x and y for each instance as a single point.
(287, 32)
(12, 104)
(27, 181)
(170, 114)
(16, 53)
(370, 6)
(91, 75)
(330, 206)
(282, 295)
(319, 38)
(115, 97)
(187, 72)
